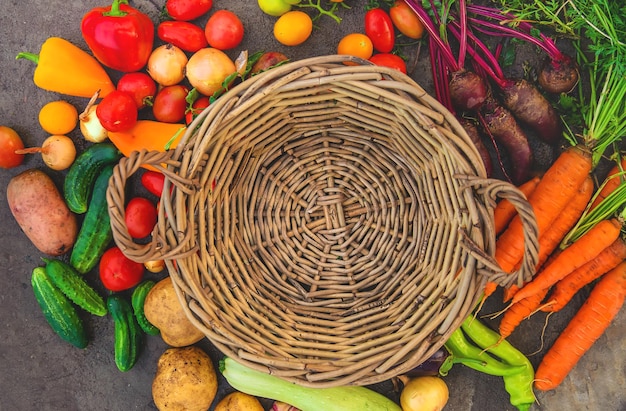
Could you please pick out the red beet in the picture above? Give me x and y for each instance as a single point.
(468, 90)
(558, 76)
(474, 134)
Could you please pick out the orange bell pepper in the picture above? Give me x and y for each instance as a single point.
(64, 68)
(148, 134)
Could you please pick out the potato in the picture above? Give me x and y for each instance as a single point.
(239, 401)
(165, 312)
(185, 380)
(41, 212)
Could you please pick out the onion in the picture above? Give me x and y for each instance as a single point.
(58, 152)
(208, 68)
(166, 65)
(155, 266)
(428, 393)
(90, 126)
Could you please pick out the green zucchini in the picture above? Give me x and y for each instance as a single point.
(138, 299)
(342, 398)
(58, 310)
(72, 284)
(127, 332)
(95, 232)
(80, 178)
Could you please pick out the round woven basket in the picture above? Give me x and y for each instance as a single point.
(324, 222)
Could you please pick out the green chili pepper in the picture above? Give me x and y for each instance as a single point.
(519, 385)
(463, 352)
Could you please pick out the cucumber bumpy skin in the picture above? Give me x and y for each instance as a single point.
(95, 232)
(72, 284)
(80, 178)
(58, 310)
(127, 332)
(138, 298)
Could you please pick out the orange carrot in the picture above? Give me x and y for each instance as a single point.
(504, 211)
(611, 183)
(583, 250)
(520, 310)
(565, 289)
(589, 323)
(553, 193)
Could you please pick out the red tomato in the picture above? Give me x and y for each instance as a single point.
(389, 60)
(170, 104)
(9, 142)
(224, 30)
(196, 108)
(140, 86)
(141, 216)
(184, 35)
(118, 272)
(405, 20)
(186, 10)
(379, 28)
(117, 111)
(153, 182)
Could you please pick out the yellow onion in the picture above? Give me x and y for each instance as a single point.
(89, 123)
(166, 65)
(208, 68)
(428, 393)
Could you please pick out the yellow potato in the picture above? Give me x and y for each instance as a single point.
(185, 380)
(165, 312)
(239, 401)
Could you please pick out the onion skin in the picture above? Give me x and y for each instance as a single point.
(426, 393)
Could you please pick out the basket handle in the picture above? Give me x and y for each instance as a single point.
(491, 190)
(156, 248)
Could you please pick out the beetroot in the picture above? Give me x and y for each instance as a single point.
(558, 76)
(474, 134)
(468, 90)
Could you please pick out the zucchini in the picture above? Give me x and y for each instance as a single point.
(127, 332)
(343, 398)
(72, 284)
(80, 178)
(138, 298)
(95, 232)
(58, 310)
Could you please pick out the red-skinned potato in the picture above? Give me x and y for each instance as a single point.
(41, 212)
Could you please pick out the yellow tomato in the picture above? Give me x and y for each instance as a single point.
(58, 117)
(356, 44)
(293, 28)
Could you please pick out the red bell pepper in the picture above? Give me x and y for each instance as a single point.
(119, 36)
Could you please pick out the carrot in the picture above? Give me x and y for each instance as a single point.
(565, 289)
(520, 310)
(589, 323)
(585, 249)
(553, 193)
(611, 182)
(504, 211)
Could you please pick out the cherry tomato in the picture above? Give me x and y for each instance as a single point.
(224, 30)
(389, 60)
(183, 34)
(170, 104)
(9, 142)
(140, 218)
(186, 10)
(196, 108)
(140, 86)
(117, 111)
(153, 182)
(293, 28)
(379, 28)
(118, 272)
(405, 20)
(274, 7)
(356, 44)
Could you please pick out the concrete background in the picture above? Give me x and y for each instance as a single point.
(41, 372)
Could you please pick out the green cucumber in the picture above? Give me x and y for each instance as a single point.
(127, 332)
(138, 299)
(72, 284)
(80, 178)
(58, 310)
(95, 232)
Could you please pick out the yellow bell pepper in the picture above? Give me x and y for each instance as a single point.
(64, 68)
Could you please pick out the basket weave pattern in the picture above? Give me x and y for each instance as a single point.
(329, 224)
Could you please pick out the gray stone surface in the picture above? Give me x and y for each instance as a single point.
(41, 372)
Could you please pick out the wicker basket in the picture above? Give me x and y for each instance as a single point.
(330, 224)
